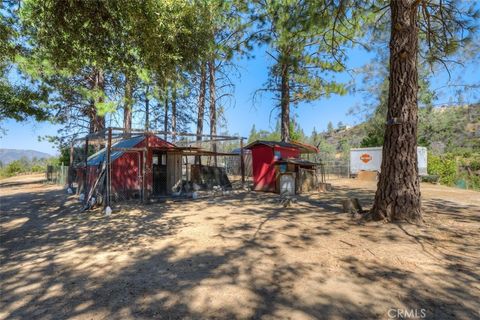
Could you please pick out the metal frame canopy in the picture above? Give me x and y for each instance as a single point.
(185, 143)
(302, 147)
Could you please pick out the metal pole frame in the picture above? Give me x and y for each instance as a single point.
(108, 167)
(144, 171)
(180, 134)
(242, 162)
(70, 167)
(85, 174)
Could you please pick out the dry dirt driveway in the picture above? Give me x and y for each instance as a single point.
(238, 257)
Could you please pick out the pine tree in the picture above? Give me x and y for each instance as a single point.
(253, 134)
(444, 25)
(303, 50)
(330, 128)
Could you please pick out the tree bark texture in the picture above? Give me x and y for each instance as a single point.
(201, 105)
(147, 109)
(398, 190)
(165, 117)
(174, 111)
(97, 121)
(285, 103)
(213, 106)
(127, 110)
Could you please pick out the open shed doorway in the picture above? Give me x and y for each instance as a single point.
(159, 168)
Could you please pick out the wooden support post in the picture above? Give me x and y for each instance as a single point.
(144, 165)
(187, 178)
(85, 173)
(108, 167)
(242, 162)
(144, 173)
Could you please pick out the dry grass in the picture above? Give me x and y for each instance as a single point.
(241, 256)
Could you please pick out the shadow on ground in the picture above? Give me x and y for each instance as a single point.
(242, 256)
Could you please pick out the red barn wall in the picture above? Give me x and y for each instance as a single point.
(125, 170)
(92, 174)
(288, 152)
(263, 168)
(263, 173)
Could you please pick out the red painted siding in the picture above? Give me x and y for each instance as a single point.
(288, 152)
(125, 173)
(125, 170)
(263, 168)
(92, 175)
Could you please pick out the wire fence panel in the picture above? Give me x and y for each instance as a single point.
(57, 174)
(117, 166)
(336, 169)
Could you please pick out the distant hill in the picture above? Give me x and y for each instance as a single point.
(441, 129)
(9, 155)
(353, 135)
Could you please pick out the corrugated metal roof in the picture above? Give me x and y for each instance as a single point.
(303, 147)
(99, 157)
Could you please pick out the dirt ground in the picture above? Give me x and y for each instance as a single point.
(240, 256)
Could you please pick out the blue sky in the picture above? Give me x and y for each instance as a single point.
(243, 113)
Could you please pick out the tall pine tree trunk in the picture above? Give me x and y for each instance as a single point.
(398, 190)
(127, 109)
(174, 111)
(201, 105)
(97, 121)
(147, 109)
(165, 117)
(285, 102)
(213, 106)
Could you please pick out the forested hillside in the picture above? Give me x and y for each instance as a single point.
(451, 134)
(447, 129)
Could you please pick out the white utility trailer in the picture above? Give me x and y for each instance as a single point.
(370, 159)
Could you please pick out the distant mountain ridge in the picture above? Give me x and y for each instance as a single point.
(9, 155)
(441, 130)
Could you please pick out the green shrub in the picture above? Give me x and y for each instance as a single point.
(475, 165)
(37, 168)
(22, 166)
(443, 166)
(14, 167)
(430, 178)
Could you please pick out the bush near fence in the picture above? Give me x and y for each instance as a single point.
(460, 170)
(19, 167)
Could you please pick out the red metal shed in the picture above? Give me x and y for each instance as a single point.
(127, 166)
(265, 155)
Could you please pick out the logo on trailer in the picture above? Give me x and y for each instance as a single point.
(365, 157)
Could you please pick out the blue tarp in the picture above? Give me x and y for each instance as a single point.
(99, 157)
